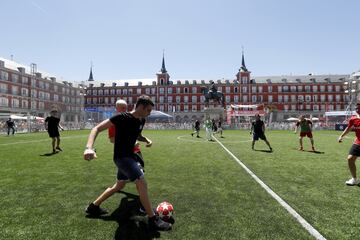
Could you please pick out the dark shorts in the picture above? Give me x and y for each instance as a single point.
(128, 169)
(197, 129)
(308, 134)
(256, 136)
(355, 150)
(53, 133)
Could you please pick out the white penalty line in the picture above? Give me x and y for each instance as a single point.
(292, 211)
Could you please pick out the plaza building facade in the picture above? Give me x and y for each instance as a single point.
(26, 92)
(280, 96)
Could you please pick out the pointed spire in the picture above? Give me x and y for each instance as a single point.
(91, 78)
(163, 68)
(243, 67)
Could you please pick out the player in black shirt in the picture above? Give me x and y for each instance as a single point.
(52, 125)
(197, 129)
(258, 131)
(10, 125)
(128, 127)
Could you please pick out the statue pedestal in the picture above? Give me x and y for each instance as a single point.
(216, 113)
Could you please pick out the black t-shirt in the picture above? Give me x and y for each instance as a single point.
(127, 130)
(197, 125)
(10, 123)
(53, 123)
(258, 126)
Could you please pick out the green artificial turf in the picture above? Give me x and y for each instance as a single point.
(43, 195)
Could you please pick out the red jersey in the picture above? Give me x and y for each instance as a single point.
(111, 134)
(354, 122)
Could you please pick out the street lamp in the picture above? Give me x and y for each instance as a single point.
(350, 89)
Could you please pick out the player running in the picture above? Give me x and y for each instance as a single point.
(354, 152)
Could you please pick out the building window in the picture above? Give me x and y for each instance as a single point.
(338, 98)
(170, 99)
(236, 90)
(153, 90)
(178, 90)
(4, 102)
(15, 90)
(322, 98)
(186, 99)
(315, 88)
(253, 89)
(178, 99)
(194, 89)
(244, 89)
(194, 108)
(253, 98)
(245, 99)
(293, 98)
(186, 90)
(330, 98)
(194, 99)
(330, 88)
(280, 98)
(24, 80)
(24, 92)
(269, 89)
(15, 103)
(293, 88)
(316, 108)
(286, 98)
(161, 99)
(161, 90)
(186, 108)
(14, 78)
(227, 99)
(169, 90)
(270, 98)
(337, 88)
(4, 75)
(24, 104)
(285, 88)
(244, 79)
(307, 98)
(227, 89)
(315, 98)
(322, 88)
(300, 88)
(236, 99)
(260, 89)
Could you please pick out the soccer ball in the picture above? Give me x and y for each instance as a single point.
(165, 210)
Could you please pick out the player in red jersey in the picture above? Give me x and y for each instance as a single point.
(354, 153)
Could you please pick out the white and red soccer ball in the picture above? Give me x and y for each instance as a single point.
(165, 210)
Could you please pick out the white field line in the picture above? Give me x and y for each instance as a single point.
(42, 140)
(292, 211)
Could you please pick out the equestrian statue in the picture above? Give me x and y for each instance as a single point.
(213, 94)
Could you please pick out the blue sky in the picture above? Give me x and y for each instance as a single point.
(202, 39)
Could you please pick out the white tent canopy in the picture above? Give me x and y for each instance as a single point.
(244, 106)
(292, 119)
(339, 113)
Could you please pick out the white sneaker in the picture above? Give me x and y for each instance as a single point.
(352, 182)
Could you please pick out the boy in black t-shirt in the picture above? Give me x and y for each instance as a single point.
(258, 131)
(52, 125)
(128, 127)
(10, 125)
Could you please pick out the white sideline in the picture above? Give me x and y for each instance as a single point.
(292, 211)
(42, 140)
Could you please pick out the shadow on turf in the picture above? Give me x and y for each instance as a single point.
(132, 226)
(311, 151)
(48, 154)
(260, 150)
